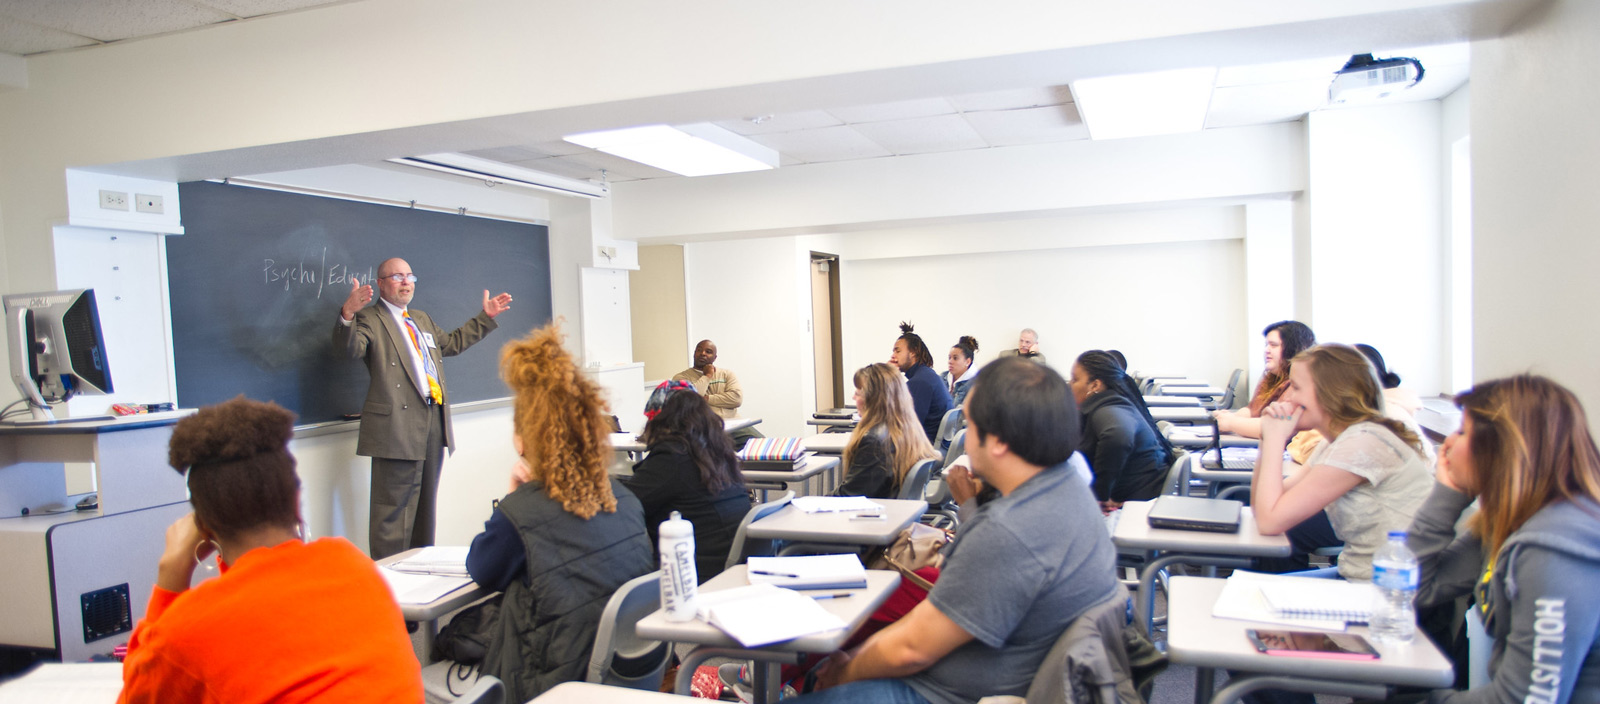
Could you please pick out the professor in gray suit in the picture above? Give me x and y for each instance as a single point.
(405, 422)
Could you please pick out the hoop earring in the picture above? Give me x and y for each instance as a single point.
(200, 561)
(300, 530)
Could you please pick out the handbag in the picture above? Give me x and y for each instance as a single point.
(919, 545)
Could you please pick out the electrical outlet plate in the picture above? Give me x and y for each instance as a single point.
(148, 204)
(113, 200)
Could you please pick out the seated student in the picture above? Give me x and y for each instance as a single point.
(692, 469)
(1027, 347)
(1399, 402)
(287, 620)
(887, 442)
(929, 397)
(1286, 339)
(566, 536)
(720, 387)
(1533, 549)
(1129, 456)
(1018, 572)
(961, 369)
(1371, 474)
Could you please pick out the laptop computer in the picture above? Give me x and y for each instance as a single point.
(1194, 513)
(1213, 458)
(835, 414)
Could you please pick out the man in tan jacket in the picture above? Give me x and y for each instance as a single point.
(719, 386)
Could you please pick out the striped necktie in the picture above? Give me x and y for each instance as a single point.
(427, 360)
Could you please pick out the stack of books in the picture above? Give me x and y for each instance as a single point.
(773, 455)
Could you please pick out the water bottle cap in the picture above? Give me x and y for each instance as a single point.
(1397, 535)
(675, 516)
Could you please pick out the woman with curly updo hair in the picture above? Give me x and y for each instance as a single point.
(286, 620)
(567, 535)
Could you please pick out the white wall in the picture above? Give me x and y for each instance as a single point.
(1377, 252)
(1535, 180)
(1134, 298)
(752, 298)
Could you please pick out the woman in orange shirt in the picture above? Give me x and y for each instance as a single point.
(286, 620)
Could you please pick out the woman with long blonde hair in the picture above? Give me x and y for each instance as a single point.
(1531, 556)
(567, 535)
(1370, 475)
(888, 441)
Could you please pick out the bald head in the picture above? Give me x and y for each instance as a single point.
(705, 354)
(397, 293)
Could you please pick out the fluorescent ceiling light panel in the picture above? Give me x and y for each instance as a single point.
(700, 149)
(1145, 104)
(501, 172)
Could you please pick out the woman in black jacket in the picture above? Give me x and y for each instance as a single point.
(692, 469)
(1130, 458)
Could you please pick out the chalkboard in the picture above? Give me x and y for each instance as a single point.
(258, 277)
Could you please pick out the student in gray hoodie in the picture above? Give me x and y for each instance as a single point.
(1532, 556)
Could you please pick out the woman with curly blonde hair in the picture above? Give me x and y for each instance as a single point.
(888, 441)
(567, 535)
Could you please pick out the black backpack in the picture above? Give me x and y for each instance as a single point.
(466, 638)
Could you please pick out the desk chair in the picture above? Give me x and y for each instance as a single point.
(958, 445)
(488, 690)
(916, 480)
(620, 657)
(1226, 403)
(739, 550)
(1060, 680)
(948, 425)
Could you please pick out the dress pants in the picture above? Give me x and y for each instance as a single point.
(403, 496)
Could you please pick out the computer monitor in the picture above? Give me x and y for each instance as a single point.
(56, 348)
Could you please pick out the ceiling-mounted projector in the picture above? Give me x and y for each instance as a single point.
(1365, 79)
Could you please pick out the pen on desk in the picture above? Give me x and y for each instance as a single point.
(867, 517)
(836, 595)
(775, 574)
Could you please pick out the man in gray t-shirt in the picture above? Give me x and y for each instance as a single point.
(1019, 572)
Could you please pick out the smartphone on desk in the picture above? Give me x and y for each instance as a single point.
(1309, 644)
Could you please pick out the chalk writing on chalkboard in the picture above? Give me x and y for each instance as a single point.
(298, 275)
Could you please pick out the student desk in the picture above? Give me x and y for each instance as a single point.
(766, 480)
(1187, 415)
(1181, 437)
(631, 444)
(826, 443)
(831, 423)
(1180, 401)
(1182, 381)
(590, 693)
(427, 615)
(732, 424)
(793, 525)
(1195, 637)
(1191, 547)
(712, 642)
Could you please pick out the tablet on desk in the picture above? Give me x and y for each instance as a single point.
(1309, 644)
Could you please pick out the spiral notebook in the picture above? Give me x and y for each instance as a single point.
(1332, 599)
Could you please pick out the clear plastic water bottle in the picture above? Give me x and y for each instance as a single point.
(1395, 572)
(679, 583)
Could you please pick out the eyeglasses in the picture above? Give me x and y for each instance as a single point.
(401, 278)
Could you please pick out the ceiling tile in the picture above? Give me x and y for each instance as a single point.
(1257, 74)
(21, 38)
(257, 8)
(782, 122)
(1013, 99)
(839, 143)
(945, 133)
(110, 21)
(512, 154)
(617, 168)
(1057, 123)
(557, 147)
(1270, 102)
(560, 166)
(901, 110)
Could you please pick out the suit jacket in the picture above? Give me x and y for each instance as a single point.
(394, 419)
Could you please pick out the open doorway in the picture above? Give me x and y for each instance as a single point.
(827, 350)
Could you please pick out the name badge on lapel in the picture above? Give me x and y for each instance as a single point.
(427, 339)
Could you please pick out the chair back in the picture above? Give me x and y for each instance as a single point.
(1105, 622)
(620, 657)
(1177, 481)
(948, 425)
(916, 480)
(488, 690)
(1226, 402)
(742, 547)
(958, 445)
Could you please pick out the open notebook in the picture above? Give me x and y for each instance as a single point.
(762, 614)
(809, 571)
